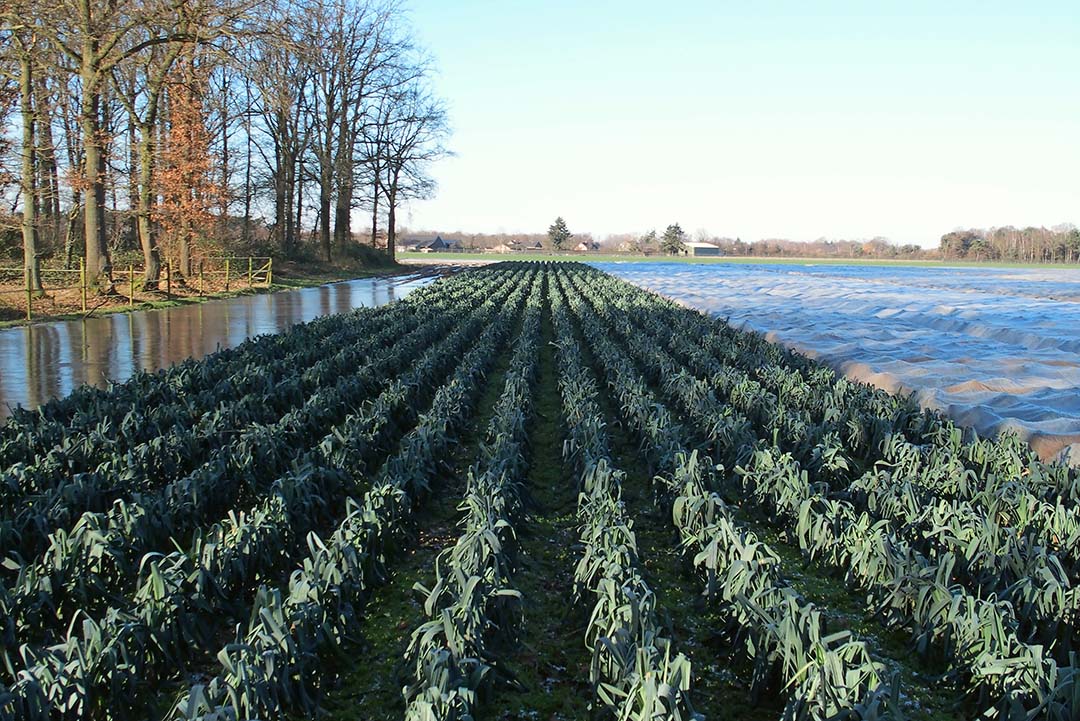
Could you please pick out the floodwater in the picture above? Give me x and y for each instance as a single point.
(49, 360)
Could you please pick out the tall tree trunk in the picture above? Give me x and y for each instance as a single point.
(75, 162)
(47, 167)
(324, 216)
(299, 176)
(224, 194)
(31, 265)
(375, 216)
(147, 239)
(391, 221)
(344, 181)
(71, 237)
(281, 205)
(112, 225)
(187, 233)
(343, 215)
(133, 181)
(287, 219)
(98, 263)
(246, 233)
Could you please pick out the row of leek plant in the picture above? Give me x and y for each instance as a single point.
(183, 598)
(1035, 534)
(990, 552)
(876, 425)
(273, 664)
(95, 672)
(56, 488)
(151, 398)
(634, 670)
(1005, 553)
(86, 472)
(830, 675)
(139, 408)
(473, 600)
(978, 636)
(1052, 520)
(173, 437)
(89, 569)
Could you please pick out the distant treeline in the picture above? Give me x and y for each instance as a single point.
(1060, 244)
(649, 244)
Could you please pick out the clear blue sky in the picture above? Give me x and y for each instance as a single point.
(767, 119)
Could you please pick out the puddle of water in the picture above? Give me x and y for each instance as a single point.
(48, 360)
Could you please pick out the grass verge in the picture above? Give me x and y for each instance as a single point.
(550, 660)
(718, 689)
(370, 672)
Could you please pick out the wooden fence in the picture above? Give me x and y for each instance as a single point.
(210, 275)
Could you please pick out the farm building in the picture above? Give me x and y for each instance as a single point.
(700, 250)
(438, 245)
(586, 246)
(413, 242)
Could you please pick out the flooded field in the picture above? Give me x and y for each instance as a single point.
(994, 348)
(48, 360)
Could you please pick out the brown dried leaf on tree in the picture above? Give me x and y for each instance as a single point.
(188, 191)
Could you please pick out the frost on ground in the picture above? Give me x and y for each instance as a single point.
(994, 348)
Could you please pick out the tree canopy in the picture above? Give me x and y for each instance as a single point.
(673, 240)
(211, 127)
(559, 234)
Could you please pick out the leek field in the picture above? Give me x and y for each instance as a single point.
(527, 491)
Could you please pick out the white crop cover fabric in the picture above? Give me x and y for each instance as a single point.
(994, 348)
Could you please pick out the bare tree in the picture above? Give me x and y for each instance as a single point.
(325, 107)
(282, 73)
(24, 45)
(412, 127)
(25, 49)
(140, 83)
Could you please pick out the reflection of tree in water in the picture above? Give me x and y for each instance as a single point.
(249, 323)
(373, 294)
(146, 341)
(99, 353)
(41, 382)
(342, 298)
(49, 360)
(194, 332)
(325, 300)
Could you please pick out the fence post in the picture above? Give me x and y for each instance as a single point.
(82, 281)
(226, 275)
(131, 286)
(250, 270)
(168, 279)
(270, 271)
(29, 295)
